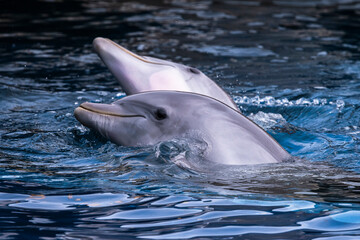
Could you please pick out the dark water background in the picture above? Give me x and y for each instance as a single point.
(291, 66)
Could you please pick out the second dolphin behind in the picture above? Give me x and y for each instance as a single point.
(139, 74)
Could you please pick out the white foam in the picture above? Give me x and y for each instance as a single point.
(267, 120)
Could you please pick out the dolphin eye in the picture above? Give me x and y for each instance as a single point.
(160, 114)
(194, 70)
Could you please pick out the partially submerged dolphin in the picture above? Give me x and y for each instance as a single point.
(139, 74)
(152, 117)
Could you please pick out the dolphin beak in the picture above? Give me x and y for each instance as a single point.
(106, 109)
(94, 115)
(131, 70)
(104, 46)
(112, 121)
(136, 73)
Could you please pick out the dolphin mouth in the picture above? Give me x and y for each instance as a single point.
(98, 40)
(106, 109)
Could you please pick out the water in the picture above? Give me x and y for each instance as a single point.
(291, 66)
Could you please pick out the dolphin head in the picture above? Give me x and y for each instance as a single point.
(139, 73)
(137, 120)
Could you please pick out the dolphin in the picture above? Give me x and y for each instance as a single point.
(139, 73)
(153, 117)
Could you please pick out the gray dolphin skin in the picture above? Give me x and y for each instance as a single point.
(139, 74)
(152, 117)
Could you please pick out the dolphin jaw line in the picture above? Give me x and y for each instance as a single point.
(109, 113)
(135, 55)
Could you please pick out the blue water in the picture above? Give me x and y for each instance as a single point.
(291, 66)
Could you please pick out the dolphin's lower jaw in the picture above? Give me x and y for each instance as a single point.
(87, 118)
(111, 121)
(95, 121)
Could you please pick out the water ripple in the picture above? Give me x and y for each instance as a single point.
(70, 202)
(290, 205)
(152, 214)
(229, 51)
(214, 215)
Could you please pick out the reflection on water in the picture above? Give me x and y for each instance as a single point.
(291, 66)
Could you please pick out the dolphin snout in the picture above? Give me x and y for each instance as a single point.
(100, 108)
(99, 44)
(115, 110)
